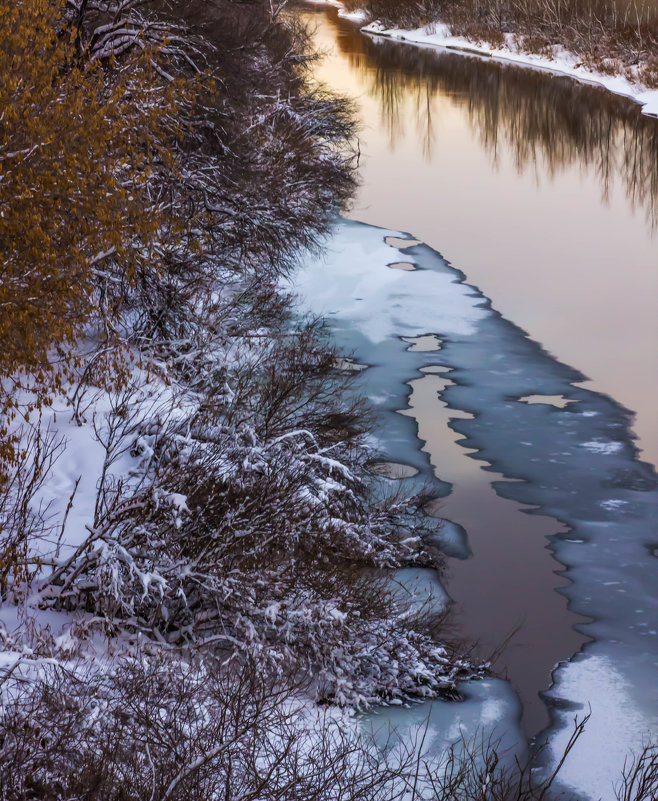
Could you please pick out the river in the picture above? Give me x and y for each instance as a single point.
(543, 191)
(541, 194)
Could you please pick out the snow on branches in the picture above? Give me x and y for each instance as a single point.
(230, 511)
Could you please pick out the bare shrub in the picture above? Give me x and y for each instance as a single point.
(254, 539)
(24, 520)
(155, 728)
(248, 515)
(158, 729)
(639, 781)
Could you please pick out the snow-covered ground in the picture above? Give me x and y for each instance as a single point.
(355, 16)
(88, 455)
(438, 36)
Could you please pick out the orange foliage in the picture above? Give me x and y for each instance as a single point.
(75, 158)
(78, 144)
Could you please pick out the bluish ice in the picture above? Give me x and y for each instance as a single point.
(563, 449)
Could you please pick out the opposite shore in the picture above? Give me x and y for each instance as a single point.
(512, 50)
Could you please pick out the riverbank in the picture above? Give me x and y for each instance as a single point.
(188, 524)
(559, 62)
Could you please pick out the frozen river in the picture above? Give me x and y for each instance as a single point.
(528, 401)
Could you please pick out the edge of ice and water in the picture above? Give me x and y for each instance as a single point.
(577, 464)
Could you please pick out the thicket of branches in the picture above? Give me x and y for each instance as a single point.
(616, 36)
(163, 730)
(247, 524)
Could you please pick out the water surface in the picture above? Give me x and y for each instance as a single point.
(542, 190)
(532, 472)
(544, 193)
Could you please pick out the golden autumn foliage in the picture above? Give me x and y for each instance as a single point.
(79, 144)
(77, 147)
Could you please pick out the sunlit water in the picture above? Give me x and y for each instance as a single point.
(544, 194)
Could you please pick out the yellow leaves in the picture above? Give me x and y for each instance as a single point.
(79, 145)
(88, 154)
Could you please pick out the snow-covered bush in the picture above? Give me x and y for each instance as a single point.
(234, 512)
(158, 729)
(241, 532)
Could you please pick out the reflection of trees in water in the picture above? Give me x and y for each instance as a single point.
(394, 95)
(545, 119)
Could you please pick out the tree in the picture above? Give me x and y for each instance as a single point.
(78, 143)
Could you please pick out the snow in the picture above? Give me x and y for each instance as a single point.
(601, 446)
(337, 615)
(617, 719)
(68, 498)
(355, 16)
(381, 313)
(437, 35)
(562, 62)
(422, 587)
(612, 505)
(80, 463)
(352, 278)
(452, 539)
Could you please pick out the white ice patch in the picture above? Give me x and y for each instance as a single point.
(489, 711)
(617, 723)
(351, 283)
(602, 446)
(613, 504)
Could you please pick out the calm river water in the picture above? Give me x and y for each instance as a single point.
(545, 194)
(543, 191)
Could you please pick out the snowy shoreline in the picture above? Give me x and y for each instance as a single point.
(437, 36)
